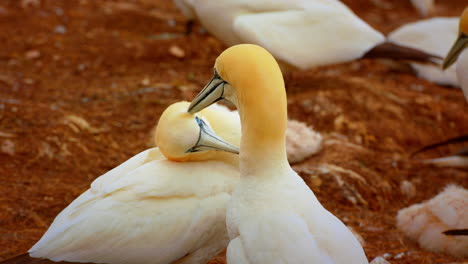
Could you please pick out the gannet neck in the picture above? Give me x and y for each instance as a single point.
(261, 100)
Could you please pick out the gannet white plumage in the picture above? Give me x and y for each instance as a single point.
(434, 36)
(302, 33)
(152, 208)
(273, 216)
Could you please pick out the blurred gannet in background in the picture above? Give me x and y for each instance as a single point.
(425, 222)
(458, 53)
(302, 33)
(434, 36)
(301, 140)
(273, 216)
(151, 209)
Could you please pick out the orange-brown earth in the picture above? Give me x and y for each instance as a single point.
(83, 82)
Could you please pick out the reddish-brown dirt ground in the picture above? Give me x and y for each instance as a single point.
(82, 83)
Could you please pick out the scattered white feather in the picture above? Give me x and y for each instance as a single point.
(451, 161)
(434, 36)
(301, 141)
(424, 7)
(379, 260)
(426, 221)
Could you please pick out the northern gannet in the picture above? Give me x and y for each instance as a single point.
(153, 208)
(273, 216)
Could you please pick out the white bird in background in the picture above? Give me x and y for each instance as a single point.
(273, 216)
(151, 209)
(434, 36)
(289, 29)
(426, 222)
(459, 54)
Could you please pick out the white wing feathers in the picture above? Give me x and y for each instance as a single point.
(314, 36)
(154, 212)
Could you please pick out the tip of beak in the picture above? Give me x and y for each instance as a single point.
(445, 65)
(190, 109)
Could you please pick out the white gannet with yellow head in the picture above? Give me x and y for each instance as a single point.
(459, 53)
(273, 216)
(152, 208)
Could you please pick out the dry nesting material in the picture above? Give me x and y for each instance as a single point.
(426, 221)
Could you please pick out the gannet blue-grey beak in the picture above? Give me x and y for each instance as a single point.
(210, 94)
(208, 140)
(460, 44)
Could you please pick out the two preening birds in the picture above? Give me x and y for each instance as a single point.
(158, 207)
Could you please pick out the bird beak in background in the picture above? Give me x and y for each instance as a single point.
(212, 93)
(460, 44)
(208, 140)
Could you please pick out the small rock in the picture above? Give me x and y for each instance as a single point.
(316, 181)
(60, 29)
(8, 147)
(82, 67)
(3, 11)
(171, 22)
(145, 81)
(32, 54)
(379, 260)
(30, 3)
(59, 11)
(408, 189)
(28, 81)
(176, 51)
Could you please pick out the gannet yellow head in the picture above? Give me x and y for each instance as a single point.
(181, 136)
(460, 44)
(244, 72)
(250, 77)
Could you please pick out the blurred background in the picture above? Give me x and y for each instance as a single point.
(82, 84)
